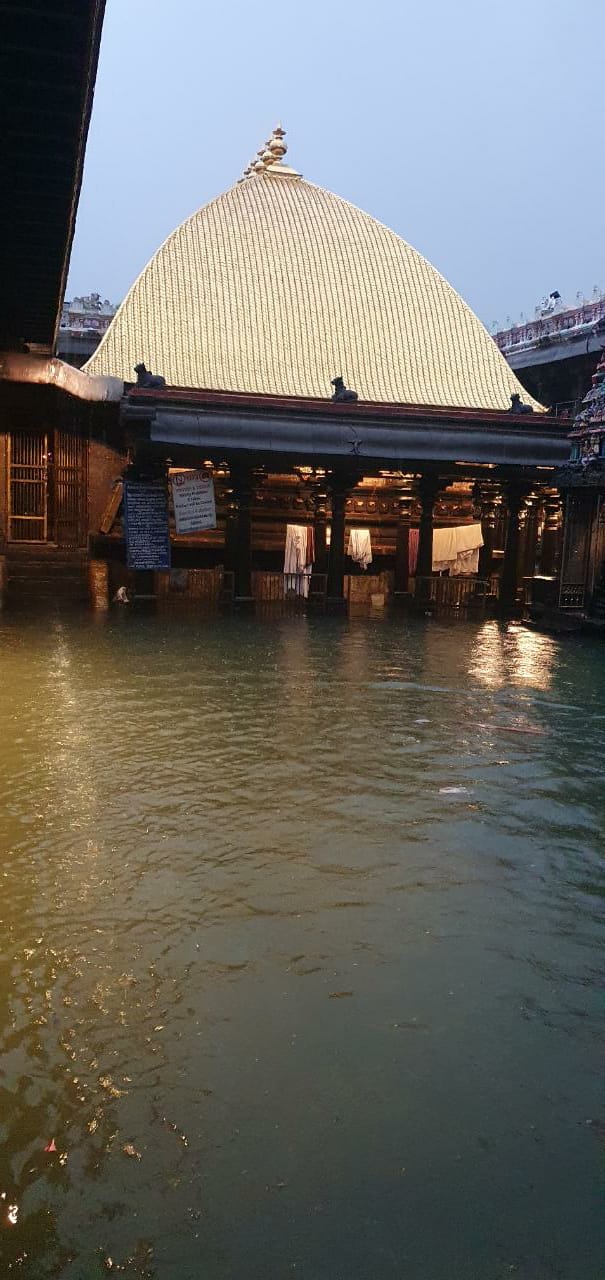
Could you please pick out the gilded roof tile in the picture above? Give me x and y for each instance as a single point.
(278, 285)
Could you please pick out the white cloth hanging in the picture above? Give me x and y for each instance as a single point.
(298, 559)
(457, 549)
(360, 547)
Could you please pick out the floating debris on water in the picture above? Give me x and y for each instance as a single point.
(130, 1150)
(107, 1083)
(175, 1129)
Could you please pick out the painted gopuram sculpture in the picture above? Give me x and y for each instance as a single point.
(582, 481)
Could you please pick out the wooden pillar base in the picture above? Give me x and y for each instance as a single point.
(98, 584)
(402, 599)
(144, 597)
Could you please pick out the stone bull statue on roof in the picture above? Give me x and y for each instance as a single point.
(146, 379)
(517, 405)
(341, 392)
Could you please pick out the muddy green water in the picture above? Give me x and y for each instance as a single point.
(304, 916)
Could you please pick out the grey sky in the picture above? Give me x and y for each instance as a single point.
(472, 128)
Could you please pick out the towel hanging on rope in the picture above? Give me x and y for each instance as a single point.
(298, 558)
(360, 547)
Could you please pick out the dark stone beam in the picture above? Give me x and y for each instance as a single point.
(282, 441)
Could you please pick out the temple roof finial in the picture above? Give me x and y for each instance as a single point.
(276, 144)
(270, 157)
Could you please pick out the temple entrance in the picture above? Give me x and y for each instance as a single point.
(47, 488)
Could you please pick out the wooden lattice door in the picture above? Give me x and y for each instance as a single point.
(47, 488)
(28, 487)
(70, 489)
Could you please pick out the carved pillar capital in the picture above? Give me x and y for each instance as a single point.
(405, 496)
(428, 486)
(516, 494)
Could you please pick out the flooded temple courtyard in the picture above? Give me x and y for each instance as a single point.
(300, 967)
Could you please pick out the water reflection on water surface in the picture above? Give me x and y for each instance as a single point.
(300, 968)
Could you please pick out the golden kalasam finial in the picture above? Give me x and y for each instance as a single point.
(273, 150)
(276, 144)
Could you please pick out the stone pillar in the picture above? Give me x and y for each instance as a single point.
(515, 498)
(230, 528)
(487, 501)
(340, 487)
(98, 583)
(550, 552)
(402, 552)
(144, 589)
(320, 524)
(428, 488)
(531, 537)
(523, 514)
(241, 532)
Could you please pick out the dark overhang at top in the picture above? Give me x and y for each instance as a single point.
(287, 430)
(48, 65)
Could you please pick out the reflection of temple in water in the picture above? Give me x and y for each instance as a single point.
(330, 381)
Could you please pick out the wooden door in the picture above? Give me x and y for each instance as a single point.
(69, 484)
(28, 460)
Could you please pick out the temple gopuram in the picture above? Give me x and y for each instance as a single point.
(366, 440)
(582, 482)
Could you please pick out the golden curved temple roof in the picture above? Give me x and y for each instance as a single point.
(278, 285)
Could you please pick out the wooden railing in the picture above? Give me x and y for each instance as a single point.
(187, 588)
(454, 594)
(572, 595)
(291, 592)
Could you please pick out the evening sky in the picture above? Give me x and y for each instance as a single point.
(473, 129)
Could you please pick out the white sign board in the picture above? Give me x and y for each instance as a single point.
(193, 500)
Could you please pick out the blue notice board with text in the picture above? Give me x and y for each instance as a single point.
(147, 528)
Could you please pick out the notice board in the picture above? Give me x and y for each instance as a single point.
(147, 528)
(193, 501)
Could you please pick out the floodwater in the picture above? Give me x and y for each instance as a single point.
(300, 951)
